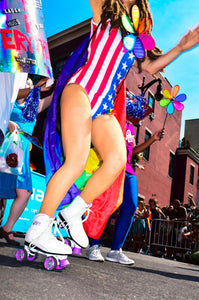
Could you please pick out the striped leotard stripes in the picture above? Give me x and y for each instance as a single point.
(106, 66)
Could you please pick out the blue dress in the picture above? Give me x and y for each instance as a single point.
(9, 182)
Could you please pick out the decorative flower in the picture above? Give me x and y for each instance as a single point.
(172, 101)
(137, 40)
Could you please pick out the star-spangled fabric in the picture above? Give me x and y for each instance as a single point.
(107, 64)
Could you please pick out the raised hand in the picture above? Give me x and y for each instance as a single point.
(158, 135)
(190, 39)
(12, 126)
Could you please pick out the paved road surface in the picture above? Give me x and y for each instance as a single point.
(149, 278)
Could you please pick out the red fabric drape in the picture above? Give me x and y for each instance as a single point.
(106, 203)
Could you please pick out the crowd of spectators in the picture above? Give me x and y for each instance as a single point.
(172, 232)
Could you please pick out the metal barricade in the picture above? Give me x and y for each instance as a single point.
(138, 244)
(169, 234)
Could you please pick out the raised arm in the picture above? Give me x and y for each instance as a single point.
(23, 93)
(156, 137)
(187, 42)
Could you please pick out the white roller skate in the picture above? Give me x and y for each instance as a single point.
(70, 218)
(39, 239)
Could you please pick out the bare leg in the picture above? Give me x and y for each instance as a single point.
(17, 209)
(76, 124)
(109, 141)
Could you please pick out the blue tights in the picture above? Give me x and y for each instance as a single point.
(126, 215)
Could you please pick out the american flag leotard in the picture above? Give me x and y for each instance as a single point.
(107, 64)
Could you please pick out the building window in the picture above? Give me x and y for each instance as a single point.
(151, 100)
(147, 150)
(191, 178)
(171, 164)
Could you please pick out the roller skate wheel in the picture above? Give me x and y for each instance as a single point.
(63, 263)
(50, 263)
(20, 255)
(31, 257)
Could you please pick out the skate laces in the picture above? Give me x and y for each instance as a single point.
(56, 230)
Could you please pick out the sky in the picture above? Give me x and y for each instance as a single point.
(172, 19)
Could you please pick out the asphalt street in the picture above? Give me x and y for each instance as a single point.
(149, 278)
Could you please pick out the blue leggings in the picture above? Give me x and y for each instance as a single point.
(126, 215)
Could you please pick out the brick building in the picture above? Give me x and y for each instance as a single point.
(185, 177)
(191, 133)
(191, 143)
(159, 160)
(156, 179)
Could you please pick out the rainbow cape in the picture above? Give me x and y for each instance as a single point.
(104, 205)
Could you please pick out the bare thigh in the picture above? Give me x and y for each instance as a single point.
(76, 122)
(108, 138)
